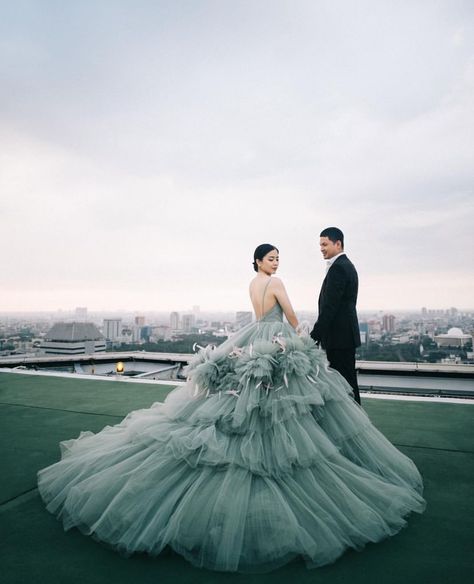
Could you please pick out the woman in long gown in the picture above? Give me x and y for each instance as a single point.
(261, 457)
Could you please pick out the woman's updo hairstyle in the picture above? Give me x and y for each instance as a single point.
(260, 252)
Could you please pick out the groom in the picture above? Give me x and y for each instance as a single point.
(337, 327)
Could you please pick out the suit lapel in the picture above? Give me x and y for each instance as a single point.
(324, 284)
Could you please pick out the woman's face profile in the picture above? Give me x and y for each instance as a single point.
(269, 263)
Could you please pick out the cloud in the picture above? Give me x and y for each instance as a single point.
(147, 150)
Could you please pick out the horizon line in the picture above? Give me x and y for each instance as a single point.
(222, 310)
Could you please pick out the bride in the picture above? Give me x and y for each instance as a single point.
(260, 458)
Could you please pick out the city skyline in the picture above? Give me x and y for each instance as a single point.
(162, 316)
(432, 335)
(147, 149)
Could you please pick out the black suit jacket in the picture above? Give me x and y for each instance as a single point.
(337, 326)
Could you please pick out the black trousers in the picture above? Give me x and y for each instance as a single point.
(343, 360)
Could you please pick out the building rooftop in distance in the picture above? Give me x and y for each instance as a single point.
(74, 331)
(430, 379)
(38, 411)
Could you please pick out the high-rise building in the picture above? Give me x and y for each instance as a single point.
(140, 320)
(145, 333)
(188, 322)
(174, 321)
(388, 323)
(364, 333)
(136, 332)
(111, 328)
(242, 318)
(126, 334)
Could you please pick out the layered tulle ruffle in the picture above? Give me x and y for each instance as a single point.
(261, 457)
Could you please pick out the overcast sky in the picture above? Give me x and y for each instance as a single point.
(147, 147)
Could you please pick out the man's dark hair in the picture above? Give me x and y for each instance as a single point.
(334, 234)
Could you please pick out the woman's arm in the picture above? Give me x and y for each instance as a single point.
(279, 291)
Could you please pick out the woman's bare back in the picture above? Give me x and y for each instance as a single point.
(265, 292)
(262, 296)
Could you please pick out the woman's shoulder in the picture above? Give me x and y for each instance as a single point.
(271, 282)
(259, 281)
(276, 283)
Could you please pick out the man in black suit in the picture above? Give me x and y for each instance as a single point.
(337, 327)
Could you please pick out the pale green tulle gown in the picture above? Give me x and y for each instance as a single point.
(260, 458)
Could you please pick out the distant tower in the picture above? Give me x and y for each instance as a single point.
(242, 318)
(145, 333)
(188, 322)
(388, 323)
(140, 320)
(136, 332)
(364, 333)
(174, 321)
(111, 328)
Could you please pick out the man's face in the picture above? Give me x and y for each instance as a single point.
(329, 249)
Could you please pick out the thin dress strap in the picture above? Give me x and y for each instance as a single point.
(263, 297)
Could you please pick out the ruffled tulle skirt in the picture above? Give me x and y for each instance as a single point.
(261, 457)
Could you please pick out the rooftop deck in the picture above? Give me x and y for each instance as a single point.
(38, 411)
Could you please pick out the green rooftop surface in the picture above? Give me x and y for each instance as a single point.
(37, 412)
